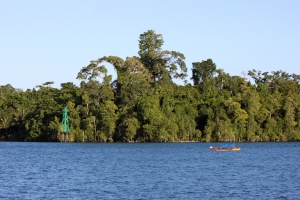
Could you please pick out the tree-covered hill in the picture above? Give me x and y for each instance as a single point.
(145, 104)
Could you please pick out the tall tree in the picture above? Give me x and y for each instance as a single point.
(160, 63)
(202, 71)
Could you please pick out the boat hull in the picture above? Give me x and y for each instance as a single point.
(225, 148)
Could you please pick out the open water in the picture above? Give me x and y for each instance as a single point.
(148, 171)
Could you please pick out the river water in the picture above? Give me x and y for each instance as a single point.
(148, 171)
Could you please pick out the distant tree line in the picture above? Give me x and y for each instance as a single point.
(144, 104)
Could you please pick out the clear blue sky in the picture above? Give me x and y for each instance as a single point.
(52, 40)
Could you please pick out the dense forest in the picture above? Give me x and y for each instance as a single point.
(144, 103)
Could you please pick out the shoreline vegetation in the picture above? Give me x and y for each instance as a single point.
(144, 103)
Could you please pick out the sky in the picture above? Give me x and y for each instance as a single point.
(42, 41)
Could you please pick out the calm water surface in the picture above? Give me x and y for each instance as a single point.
(148, 171)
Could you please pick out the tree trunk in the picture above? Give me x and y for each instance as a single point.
(82, 136)
(95, 129)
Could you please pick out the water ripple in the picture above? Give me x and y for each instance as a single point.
(148, 171)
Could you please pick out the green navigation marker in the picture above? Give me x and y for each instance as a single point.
(65, 128)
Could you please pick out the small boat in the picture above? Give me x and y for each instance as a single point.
(226, 147)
